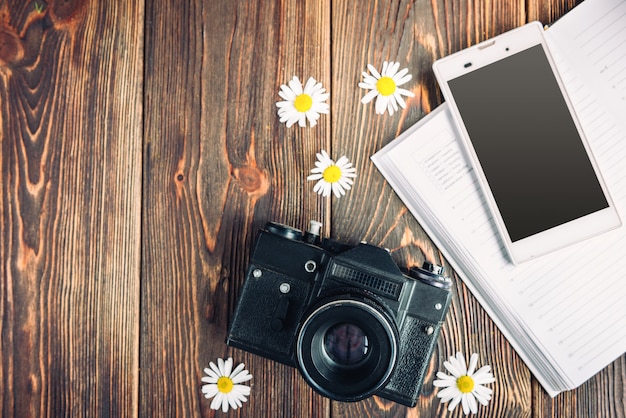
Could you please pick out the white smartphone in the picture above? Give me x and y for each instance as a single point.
(533, 163)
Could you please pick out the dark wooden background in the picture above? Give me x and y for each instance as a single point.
(141, 152)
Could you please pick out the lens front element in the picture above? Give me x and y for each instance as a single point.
(347, 348)
(346, 344)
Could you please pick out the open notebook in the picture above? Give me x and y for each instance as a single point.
(564, 313)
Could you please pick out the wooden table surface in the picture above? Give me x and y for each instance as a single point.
(141, 153)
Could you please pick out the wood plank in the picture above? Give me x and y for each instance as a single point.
(415, 34)
(70, 129)
(218, 165)
(547, 12)
(604, 395)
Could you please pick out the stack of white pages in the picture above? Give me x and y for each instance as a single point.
(564, 313)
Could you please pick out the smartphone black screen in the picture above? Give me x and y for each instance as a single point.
(527, 143)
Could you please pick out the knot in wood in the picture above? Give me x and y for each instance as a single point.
(252, 180)
(11, 49)
(67, 11)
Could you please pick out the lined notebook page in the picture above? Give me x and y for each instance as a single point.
(565, 312)
(597, 33)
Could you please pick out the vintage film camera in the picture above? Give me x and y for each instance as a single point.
(345, 316)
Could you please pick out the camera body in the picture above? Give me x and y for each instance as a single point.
(345, 316)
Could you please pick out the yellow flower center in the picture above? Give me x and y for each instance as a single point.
(332, 174)
(225, 384)
(303, 102)
(465, 384)
(386, 86)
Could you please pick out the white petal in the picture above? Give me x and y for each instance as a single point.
(369, 96)
(342, 162)
(443, 383)
(326, 157)
(337, 190)
(465, 404)
(472, 403)
(287, 94)
(326, 189)
(444, 376)
(217, 401)
(209, 390)
(296, 86)
(404, 92)
(460, 358)
(241, 390)
(289, 117)
(321, 108)
(400, 74)
(228, 366)
(482, 394)
(282, 111)
(393, 69)
(318, 90)
(392, 106)
(302, 120)
(310, 84)
(319, 186)
(283, 104)
(369, 82)
(221, 364)
(483, 376)
(399, 100)
(472, 364)
(381, 104)
(369, 79)
(346, 184)
(384, 70)
(448, 393)
(373, 71)
(210, 374)
(291, 122)
(401, 80)
(209, 379)
(215, 369)
(453, 368)
(319, 96)
(311, 115)
(233, 402)
(241, 376)
(455, 402)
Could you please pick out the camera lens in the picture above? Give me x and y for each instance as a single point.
(284, 231)
(346, 344)
(347, 348)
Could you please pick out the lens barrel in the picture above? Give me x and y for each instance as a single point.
(347, 348)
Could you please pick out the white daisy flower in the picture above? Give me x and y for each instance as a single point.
(465, 386)
(302, 103)
(332, 176)
(384, 86)
(223, 383)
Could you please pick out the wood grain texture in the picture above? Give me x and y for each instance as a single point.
(140, 154)
(70, 129)
(218, 165)
(604, 395)
(547, 12)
